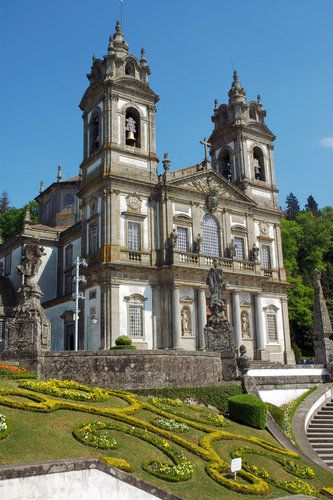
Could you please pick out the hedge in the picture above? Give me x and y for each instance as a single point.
(214, 396)
(249, 410)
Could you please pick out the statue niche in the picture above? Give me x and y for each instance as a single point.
(186, 321)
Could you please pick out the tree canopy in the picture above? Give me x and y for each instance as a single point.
(11, 221)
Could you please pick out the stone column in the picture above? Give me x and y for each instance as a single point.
(156, 304)
(289, 356)
(176, 326)
(236, 318)
(106, 314)
(202, 318)
(114, 332)
(261, 351)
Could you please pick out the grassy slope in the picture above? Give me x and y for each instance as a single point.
(40, 436)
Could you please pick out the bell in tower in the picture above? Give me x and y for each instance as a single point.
(130, 131)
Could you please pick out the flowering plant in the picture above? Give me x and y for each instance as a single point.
(14, 371)
(68, 389)
(171, 424)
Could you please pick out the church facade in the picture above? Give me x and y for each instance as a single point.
(150, 240)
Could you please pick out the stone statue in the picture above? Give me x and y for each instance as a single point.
(243, 361)
(255, 253)
(232, 249)
(173, 238)
(217, 289)
(185, 321)
(198, 243)
(28, 333)
(245, 324)
(30, 263)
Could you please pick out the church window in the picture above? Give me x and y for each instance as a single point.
(68, 256)
(182, 240)
(92, 294)
(68, 200)
(132, 128)
(129, 69)
(271, 327)
(47, 210)
(69, 336)
(258, 164)
(252, 114)
(266, 260)
(8, 264)
(94, 131)
(135, 320)
(68, 282)
(134, 236)
(93, 238)
(224, 164)
(211, 239)
(239, 248)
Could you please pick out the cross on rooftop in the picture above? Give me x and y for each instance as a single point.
(206, 145)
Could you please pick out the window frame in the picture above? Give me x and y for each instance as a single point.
(139, 225)
(93, 249)
(179, 230)
(269, 247)
(136, 301)
(271, 311)
(204, 241)
(242, 239)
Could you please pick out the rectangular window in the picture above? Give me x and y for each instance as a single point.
(2, 329)
(69, 337)
(8, 264)
(135, 321)
(69, 256)
(93, 239)
(68, 282)
(239, 248)
(134, 236)
(182, 240)
(271, 327)
(92, 294)
(266, 257)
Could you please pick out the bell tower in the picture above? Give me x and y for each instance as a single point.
(242, 146)
(119, 115)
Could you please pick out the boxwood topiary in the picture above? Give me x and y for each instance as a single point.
(249, 410)
(124, 342)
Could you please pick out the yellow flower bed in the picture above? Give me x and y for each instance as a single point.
(253, 481)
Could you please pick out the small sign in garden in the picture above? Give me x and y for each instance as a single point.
(236, 465)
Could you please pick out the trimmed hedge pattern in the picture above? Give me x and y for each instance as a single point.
(177, 466)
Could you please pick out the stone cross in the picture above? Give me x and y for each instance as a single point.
(206, 145)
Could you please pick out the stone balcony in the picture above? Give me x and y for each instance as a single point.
(229, 265)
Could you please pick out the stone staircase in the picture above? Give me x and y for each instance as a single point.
(320, 432)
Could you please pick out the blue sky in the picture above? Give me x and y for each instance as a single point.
(282, 50)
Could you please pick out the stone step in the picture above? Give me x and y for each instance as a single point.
(318, 417)
(314, 427)
(321, 440)
(319, 448)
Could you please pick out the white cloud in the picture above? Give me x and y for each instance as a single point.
(327, 142)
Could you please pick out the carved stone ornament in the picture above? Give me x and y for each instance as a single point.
(264, 229)
(133, 203)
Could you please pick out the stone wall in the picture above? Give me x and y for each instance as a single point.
(139, 370)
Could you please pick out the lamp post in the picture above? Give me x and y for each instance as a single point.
(78, 278)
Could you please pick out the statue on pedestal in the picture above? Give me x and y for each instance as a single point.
(219, 335)
(28, 333)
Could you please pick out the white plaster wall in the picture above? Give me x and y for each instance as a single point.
(186, 209)
(126, 291)
(89, 484)
(47, 274)
(280, 397)
(267, 301)
(57, 324)
(92, 333)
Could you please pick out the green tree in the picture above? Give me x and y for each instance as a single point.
(292, 206)
(312, 205)
(4, 202)
(11, 221)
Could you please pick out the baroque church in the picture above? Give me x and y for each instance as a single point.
(150, 240)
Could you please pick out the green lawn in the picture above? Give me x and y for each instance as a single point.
(38, 436)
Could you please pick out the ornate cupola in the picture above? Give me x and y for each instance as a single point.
(242, 145)
(119, 115)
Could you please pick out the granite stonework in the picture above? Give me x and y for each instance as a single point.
(139, 370)
(322, 328)
(28, 332)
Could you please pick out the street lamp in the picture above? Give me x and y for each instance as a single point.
(78, 278)
(93, 319)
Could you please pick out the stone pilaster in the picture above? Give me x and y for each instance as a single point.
(176, 326)
(236, 318)
(156, 299)
(106, 315)
(202, 318)
(261, 351)
(114, 333)
(289, 356)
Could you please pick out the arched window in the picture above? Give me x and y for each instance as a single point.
(225, 165)
(253, 114)
(211, 237)
(129, 69)
(94, 131)
(132, 128)
(258, 164)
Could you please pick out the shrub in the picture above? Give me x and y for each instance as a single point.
(214, 396)
(277, 413)
(122, 347)
(15, 372)
(249, 410)
(123, 340)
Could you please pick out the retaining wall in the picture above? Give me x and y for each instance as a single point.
(139, 370)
